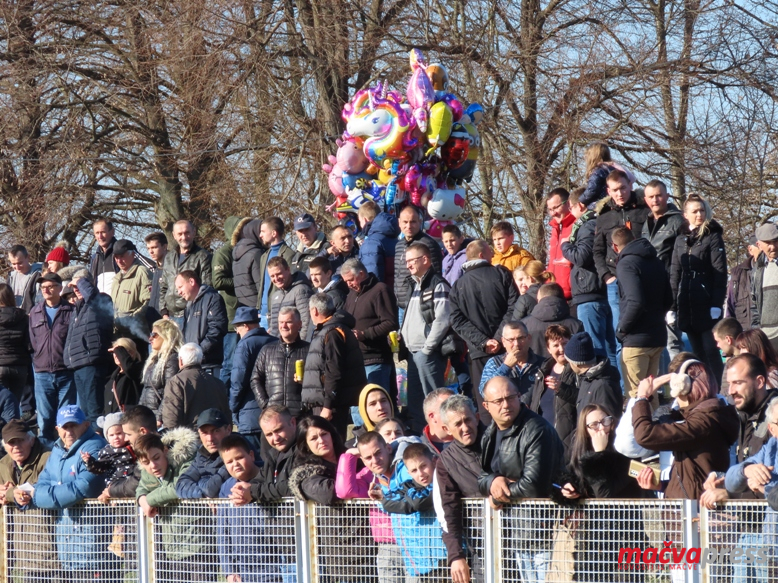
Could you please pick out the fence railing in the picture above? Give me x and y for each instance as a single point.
(652, 541)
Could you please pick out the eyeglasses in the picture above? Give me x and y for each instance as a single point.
(512, 340)
(413, 259)
(503, 400)
(604, 422)
(553, 209)
(153, 335)
(49, 288)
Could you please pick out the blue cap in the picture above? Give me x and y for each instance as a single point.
(70, 414)
(245, 315)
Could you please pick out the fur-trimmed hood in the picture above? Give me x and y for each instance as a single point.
(182, 444)
(71, 271)
(237, 229)
(302, 473)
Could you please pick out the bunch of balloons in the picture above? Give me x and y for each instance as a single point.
(417, 148)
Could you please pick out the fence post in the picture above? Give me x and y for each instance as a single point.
(492, 544)
(305, 542)
(145, 550)
(691, 535)
(5, 568)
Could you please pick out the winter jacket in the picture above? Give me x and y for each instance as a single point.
(125, 386)
(377, 250)
(644, 296)
(30, 296)
(313, 478)
(222, 274)
(246, 261)
(197, 260)
(205, 323)
(401, 273)
(426, 325)
(288, 254)
(375, 312)
(155, 377)
(272, 378)
(296, 295)
(242, 403)
(14, 337)
(753, 432)
(130, 293)
(565, 413)
(523, 378)
(530, 453)
(304, 255)
(334, 368)
(456, 477)
(757, 295)
(182, 533)
(585, 284)
(91, 328)
(514, 256)
(600, 385)
(596, 183)
(115, 463)
(204, 476)
(272, 482)
(29, 471)
(632, 215)
(189, 393)
(64, 483)
(48, 342)
(603, 474)
(698, 278)
(337, 260)
(452, 264)
(662, 232)
(482, 300)
(103, 268)
(737, 482)
(699, 437)
(155, 298)
(526, 302)
(738, 303)
(337, 290)
(549, 311)
(558, 264)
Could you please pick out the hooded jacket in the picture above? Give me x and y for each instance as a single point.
(204, 476)
(14, 337)
(482, 300)
(272, 379)
(296, 295)
(205, 323)
(197, 260)
(126, 385)
(550, 310)
(222, 274)
(632, 215)
(644, 296)
(600, 385)
(585, 284)
(244, 407)
(374, 310)
(558, 264)
(378, 247)
(91, 328)
(401, 273)
(130, 293)
(189, 393)
(663, 232)
(369, 388)
(526, 302)
(48, 342)
(699, 437)
(698, 278)
(247, 260)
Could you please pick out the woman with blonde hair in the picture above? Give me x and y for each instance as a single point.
(528, 279)
(164, 341)
(599, 164)
(124, 386)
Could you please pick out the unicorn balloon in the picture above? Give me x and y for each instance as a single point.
(420, 93)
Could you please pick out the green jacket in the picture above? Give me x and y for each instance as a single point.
(131, 293)
(199, 261)
(221, 271)
(39, 455)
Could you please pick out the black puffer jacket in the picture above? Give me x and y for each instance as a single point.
(585, 284)
(272, 380)
(698, 278)
(91, 328)
(531, 453)
(197, 260)
(565, 413)
(272, 482)
(550, 310)
(600, 386)
(155, 377)
(526, 302)
(124, 386)
(663, 232)
(375, 312)
(632, 215)
(739, 293)
(205, 323)
(246, 258)
(14, 337)
(401, 273)
(644, 296)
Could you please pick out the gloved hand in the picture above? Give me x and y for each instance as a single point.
(715, 313)
(671, 318)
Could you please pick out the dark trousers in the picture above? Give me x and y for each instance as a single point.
(476, 371)
(704, 347)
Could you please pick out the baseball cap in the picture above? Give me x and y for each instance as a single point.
(212, 417)
(767, 232)
(122, 246)
(51, 276)
(15, 429)
(304, 221)
(70, 414)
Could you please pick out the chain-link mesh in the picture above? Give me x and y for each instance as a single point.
(87, 542)
(199, 540)
(545, 542)
(743, 535)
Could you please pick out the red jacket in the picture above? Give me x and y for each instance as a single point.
(557, 264)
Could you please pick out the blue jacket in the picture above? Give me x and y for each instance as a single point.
(91, 328)
(64, 482)
(243, 405)
(246, 540)
(377, 249)
(204, 477)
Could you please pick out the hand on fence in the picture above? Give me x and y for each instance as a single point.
(460, 571)
(240, 494)
(22, 497)
(500, 490)
(710, 498)
(569, 491)
(149, 511)
(4, 490)
(104, 496)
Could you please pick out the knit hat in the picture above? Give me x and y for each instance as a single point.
(580, 350)
(105, 423)
(59, 254)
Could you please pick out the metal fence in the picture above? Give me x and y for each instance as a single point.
(651, 541)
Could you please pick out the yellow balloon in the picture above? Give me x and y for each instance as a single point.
(384, 176)
(439, 126)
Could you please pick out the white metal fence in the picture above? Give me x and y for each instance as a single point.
(651, 541)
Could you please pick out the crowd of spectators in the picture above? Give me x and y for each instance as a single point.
(265, 370)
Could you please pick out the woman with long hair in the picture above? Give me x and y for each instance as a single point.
(528, 279)
(755, 342)
(598, 161)
(698, 278)
(123, 388)
(319, 446)
(14, 343)
(162, 364)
